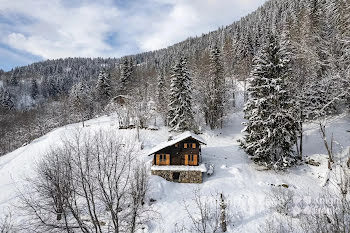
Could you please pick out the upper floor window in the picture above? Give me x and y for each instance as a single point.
(189, 145)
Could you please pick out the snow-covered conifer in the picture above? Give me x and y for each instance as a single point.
(125, 76)
(34, 89)
(214, 99)
(53, 90)
(80, 99)
(180, 115)
(103, 87)
(6, 101)
(44, 87)
(161, 96)
(14, 80)
(271, 126)
(322, 96)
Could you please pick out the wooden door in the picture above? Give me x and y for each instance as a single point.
(195, 160)
(167, 161)
(157, 159)
(192, 160)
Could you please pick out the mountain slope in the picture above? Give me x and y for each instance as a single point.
(246, 187)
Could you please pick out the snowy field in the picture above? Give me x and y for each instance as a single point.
(245, 186)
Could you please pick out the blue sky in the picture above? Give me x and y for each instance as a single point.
(34, 30)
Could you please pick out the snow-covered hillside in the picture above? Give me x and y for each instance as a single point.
(245, 186)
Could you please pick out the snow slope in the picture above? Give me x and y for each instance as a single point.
(245, 186)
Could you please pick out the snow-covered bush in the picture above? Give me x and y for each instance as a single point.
(282, 199)
(208, 214)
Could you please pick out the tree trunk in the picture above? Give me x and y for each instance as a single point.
(301, 138)
(223, 214)
(329, 150)
(233, 100)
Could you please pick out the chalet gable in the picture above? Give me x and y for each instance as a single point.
(184, 136)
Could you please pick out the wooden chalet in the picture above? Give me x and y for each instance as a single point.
(179, 159)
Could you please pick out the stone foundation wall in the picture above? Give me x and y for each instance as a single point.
(185, 176)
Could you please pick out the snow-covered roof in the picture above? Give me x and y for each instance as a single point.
(200, 168)
(175, 140)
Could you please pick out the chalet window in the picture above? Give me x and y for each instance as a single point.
(185, 145)
(162, 157)
(193, 145)
(176, 145)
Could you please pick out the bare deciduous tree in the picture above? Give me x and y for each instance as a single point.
(208, 215)
(6, 224)
(93, 183)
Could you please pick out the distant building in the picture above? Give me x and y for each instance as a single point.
(179, 159)
(121, 100)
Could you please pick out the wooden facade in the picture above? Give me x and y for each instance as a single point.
(179, 159)
(186, 152)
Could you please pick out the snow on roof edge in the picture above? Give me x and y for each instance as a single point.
(175, 140)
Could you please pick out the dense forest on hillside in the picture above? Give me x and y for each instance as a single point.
(314, 35)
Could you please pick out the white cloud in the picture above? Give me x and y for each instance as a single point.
(192, 18)
(55, 29)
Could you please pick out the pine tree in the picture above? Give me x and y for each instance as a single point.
(295, 81)
(6, 100)
(44, 87)
(34, 90)
(125, 76)
(52, 88)
(339, 15)
(214, 101)
(180, 115)
(317, 37)
(322, 96)
(161, 96)
(271, 126)
(14, 80)
(103, 87)
(81, 100)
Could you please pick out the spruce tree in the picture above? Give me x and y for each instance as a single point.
(6, 101)
(52, 88)
(14, 80)
(271, 127)
(161, 96)
(103, 87)
(34, 89)
(44, 87)
(339, 19)
(180, 115)
(214, 100)
(80, 99)
(125, 76)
